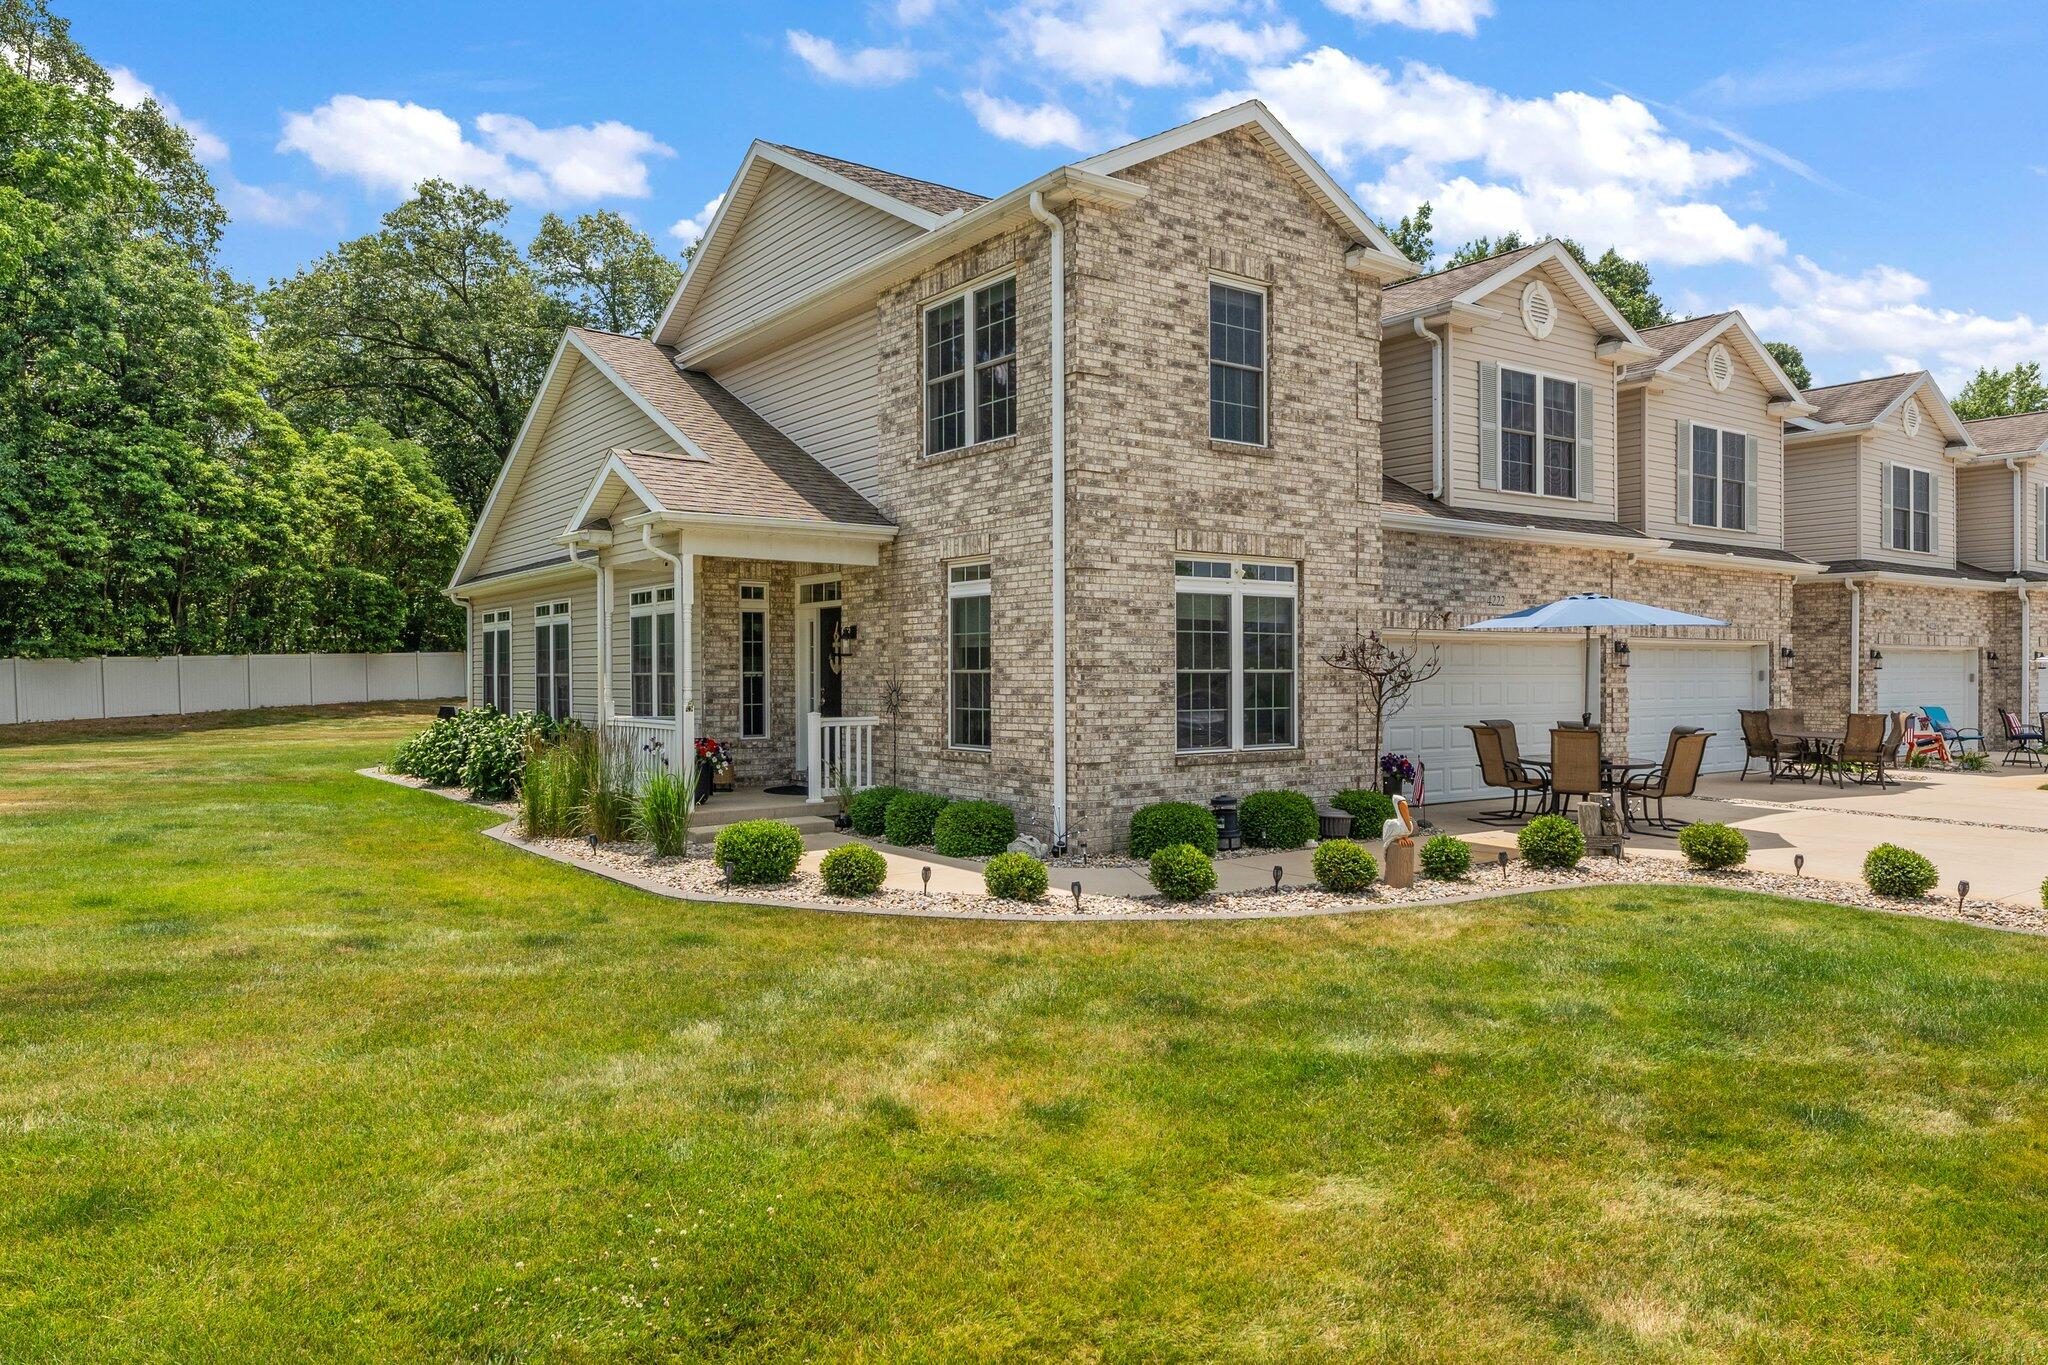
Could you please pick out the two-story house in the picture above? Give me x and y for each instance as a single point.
(1536, 445)
(2002, 527)
(1055, 498)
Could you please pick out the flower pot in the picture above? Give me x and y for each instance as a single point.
(705, 780)
(1391, 785)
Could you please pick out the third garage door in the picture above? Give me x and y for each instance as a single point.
(1912, 678)
(1534, 683)
(1671, 684)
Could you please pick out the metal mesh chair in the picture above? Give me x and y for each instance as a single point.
(1497, 771)
(1780, 756)
(1574, 766)
(1863, 747)
(1677, 775)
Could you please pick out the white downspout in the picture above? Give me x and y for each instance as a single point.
(2019, 562)
(685, 591)
(1855, 645)
(1436, 409)
(471, 693)
(1059, 515)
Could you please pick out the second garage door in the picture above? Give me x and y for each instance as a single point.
(1692, 684)
(1534, 683)
(1912, 678)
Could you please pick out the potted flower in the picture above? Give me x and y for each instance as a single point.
(714, 768)
(1396, 771)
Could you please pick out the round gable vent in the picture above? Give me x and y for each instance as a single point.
(1539, 309)
(1910, 418)
(1720, 368)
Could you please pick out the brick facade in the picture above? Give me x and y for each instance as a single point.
(1901, 616)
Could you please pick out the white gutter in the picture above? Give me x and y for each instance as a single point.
(1436, 408)
(1422, 523)
(685, 592)
(1855, 644)
(1058, 233)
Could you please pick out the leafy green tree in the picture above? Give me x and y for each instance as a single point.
(607, 271)
(1792, 361)
(385, 537)
(1625, 282)
(2002, 393)
(433, 326)
(1415, 235)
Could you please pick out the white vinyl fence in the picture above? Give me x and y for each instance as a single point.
(93, 689)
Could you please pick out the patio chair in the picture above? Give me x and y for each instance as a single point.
(1780, 756)
(1863, 748)
(1922, 738)
(1677, 775)
(1574, 766)
(1787, 718)
(1957, 737)
(1497, 771)
(1899, 722)
(2022, 743)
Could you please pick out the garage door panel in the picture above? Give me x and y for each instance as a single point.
(1670, 685)
(1532, 683)
(1912, 678)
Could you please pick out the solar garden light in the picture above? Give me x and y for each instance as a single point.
(1077, 895)
(1277, 873)
(1962, 890)
(927, 874)
(1799, 864)
(726, 868)
(1084, 851)
(1503, 864)
(591, 839)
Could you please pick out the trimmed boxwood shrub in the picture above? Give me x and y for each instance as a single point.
(758, 852)
(974, 829)
(1551, 841)
(1182, 872)
(1445, 858)
(1890, 870)
(1282, 819)
(1710, 845)
(870, 808)
(1015, 877)
(853, 870)
(1166, 823)
(911, 817)
(1344, 867)
(1369, 810)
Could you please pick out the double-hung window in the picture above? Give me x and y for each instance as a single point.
(1236, 645)
(497, 650)
(969, 659)
(1539, 434)
(652, 655)
(2041, 525)
(970, 367)
(753, 660)
(1912, 501)
(1237, 364)
(551, 696)
(1721, 474)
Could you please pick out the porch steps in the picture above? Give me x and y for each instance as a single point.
(730, 808)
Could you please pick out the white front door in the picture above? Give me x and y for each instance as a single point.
(1910, 679)
(1534, 683)
(1672, 684)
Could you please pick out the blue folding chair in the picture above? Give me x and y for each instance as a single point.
(1937, 716)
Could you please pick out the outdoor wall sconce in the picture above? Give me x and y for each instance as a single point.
(1785, 653)
(849, 633)
(1990, 656)
(1621, 653)
(1877, 658)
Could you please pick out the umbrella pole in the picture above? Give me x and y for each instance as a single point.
(1586, 692)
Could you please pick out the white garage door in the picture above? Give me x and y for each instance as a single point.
(1691, 684)
(1912, 678)
(1534, 683)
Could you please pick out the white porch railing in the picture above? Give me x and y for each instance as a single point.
(841, 749)
(650, 745)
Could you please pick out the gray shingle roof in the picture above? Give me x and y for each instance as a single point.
(1397, 494)
(753, 469)
(1670, 339)
(2019, 434)
(1762, 552)
(1860, 400)
(1961, 570)
(923, 194)
(1427, 291)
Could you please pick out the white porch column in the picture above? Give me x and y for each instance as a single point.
(604, 642)
(685, 563)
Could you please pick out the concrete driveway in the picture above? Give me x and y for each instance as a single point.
(1989, 829)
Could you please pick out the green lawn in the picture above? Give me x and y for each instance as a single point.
(293, 1063)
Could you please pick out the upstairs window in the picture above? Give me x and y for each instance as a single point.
(1237, 364)
(1527, 428)
(1720, 478)
(970, 368)
(1912, 509)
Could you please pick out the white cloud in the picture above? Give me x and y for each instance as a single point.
(912, 12)
(386, 144)
(1267, 42)
(688, 230)
(281, 207)
(1603, 170)
(859, 66)
(131, 90)
(1436, 16)
(1044, 125)
(1872, 66)
(1101, 42)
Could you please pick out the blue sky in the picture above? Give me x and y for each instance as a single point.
(1868, 180)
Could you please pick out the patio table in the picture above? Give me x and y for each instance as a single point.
(1614, 774)
(1818, 748)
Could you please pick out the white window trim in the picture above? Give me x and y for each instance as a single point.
(1236, 587)
(1721, 435)
(651, 603)
(553, 614)
(1890, 495)
(979, 587)
(759, 605)
(1578, 433)
(965, 297)
(2041, 524)
(1265, 293)
(497, 622)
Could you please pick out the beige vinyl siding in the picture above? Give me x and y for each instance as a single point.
(796, 234)
(1984, 517)
(1890, 444)
(1567, 353)
(1744, 407)
(821, 392)
(592, 418)
(631, 573)
(1628, 446)
(581, 594)
(1405, 361)
(1822, 521)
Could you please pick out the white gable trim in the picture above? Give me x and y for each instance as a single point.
(1590, 301)
(1761, 362)
(1943, 413)
(613, 467)
(1254, 114)
(654, 415)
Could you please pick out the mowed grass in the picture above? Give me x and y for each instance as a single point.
(293, 1063)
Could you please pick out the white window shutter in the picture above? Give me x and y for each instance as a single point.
(1934, 513)
(1749, 482)
(1884, 506)
(2041, 529)
(1586, 446)
(1489, 424)
(1684, 469)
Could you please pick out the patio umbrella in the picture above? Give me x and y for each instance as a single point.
(1588, 611)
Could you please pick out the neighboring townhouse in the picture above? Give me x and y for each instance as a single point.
(843, 500)
(1899, 617)
(1530, 446)
(2003, 527)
